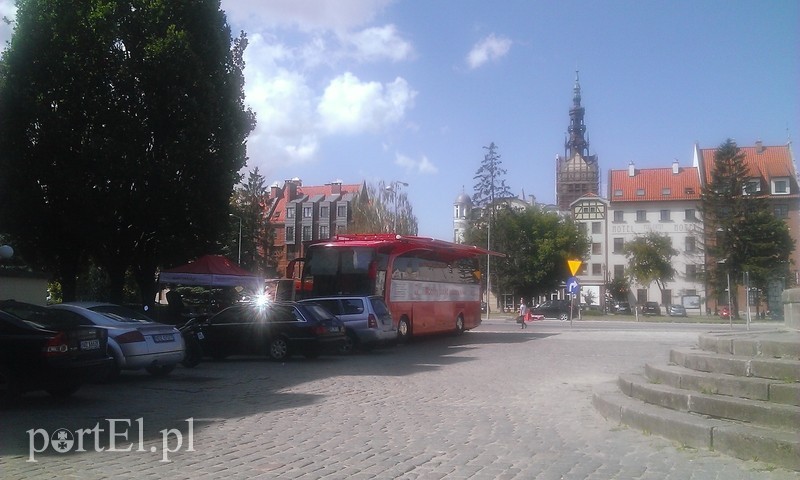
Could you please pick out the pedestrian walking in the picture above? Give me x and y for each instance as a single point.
(523, 312)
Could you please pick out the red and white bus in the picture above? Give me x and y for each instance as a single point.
(431, 286)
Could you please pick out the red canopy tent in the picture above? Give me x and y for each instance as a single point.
(213, 271)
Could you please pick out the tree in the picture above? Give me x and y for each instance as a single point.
(537, 245)
(650, 259)
(490, 177)
(383, 210)
(122, 132)
(742, 234)
(249, 204)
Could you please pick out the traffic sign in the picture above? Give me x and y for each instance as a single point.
(574, 265)
(573, 286)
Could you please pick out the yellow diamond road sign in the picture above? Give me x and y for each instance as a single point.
(574, 265)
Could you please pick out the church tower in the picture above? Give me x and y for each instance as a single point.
(577, 172)
(462, 213)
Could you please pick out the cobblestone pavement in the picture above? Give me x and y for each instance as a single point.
(495, 403)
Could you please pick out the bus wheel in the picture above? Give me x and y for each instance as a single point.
(403, 330)
(459, 325)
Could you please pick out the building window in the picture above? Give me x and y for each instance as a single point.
(618, 216)
(641, 215)
(619, 271)
(691, 244)
(689, 215)
(324, 212)
(751, 187)
(597, 227)
(688, 191)
(619, 243)
(666, 191)
(617, 193)
(324, 231)
(308, 210)
(780, 186)
(597, 269)
(640, 192)
(290, 234)
(290, 212)
(781, 211)
(665, 215)
(691, 273)
(597, 248)
(582, 271)
(307, 233)
(341, 211)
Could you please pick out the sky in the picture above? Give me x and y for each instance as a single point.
(413, 91)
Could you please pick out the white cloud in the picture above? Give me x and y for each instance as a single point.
(490, 48)
(378, 43)
(422, 165)
(349, 105)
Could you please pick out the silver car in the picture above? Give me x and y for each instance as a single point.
(134, 340)
(367, 320)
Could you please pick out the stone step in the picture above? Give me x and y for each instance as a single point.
(779, 344)
(744, 441)
(756, 412)
(784, 369)
(752, 388)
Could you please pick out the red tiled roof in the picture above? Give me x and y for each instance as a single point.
(771, 162)
(654, 184)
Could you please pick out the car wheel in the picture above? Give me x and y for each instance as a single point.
(403, 330)
(459, 325)
(160, 370)
(563, 317)
(350, 343)
(278, 348)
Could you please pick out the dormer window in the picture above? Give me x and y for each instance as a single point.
(640, 192)
(751, 186)
(617, 193)
(780, 186)
(666, 191)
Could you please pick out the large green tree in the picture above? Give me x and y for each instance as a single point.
(249, 205)
(537, 245)
(742, 234)
(650, 259)
(122, 132)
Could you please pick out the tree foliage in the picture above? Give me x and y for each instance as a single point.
(250, 204)
(742, 234)
(650, 259)
(122, 132)
(490, 180)
(385, 209)
(537, 245)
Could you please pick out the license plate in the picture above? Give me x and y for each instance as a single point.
(90, 344)
(163, 338)
(334, 329)
(200, 336)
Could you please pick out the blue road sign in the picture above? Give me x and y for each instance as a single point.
(573, 286)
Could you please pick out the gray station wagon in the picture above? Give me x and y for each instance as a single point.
(367, 320)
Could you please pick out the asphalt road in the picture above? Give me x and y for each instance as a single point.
(498, 402)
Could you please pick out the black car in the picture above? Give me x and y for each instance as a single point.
(278, 330)
(43, 349)
(559, 309)
(651, 308)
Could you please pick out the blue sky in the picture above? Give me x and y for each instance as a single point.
(412, 91)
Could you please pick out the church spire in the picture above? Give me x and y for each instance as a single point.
(576, 143)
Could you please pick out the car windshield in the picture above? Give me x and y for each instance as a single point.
(317, 312)
(41, 317)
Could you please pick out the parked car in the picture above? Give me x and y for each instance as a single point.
(559, 309)
(724, 312)
(135, 341)
(651, 308)
(675, 310)
(623, 308)
(44, 349)
(279, 330)
(367, 320)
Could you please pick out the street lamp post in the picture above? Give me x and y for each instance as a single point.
(240, 237)
(724, 261)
